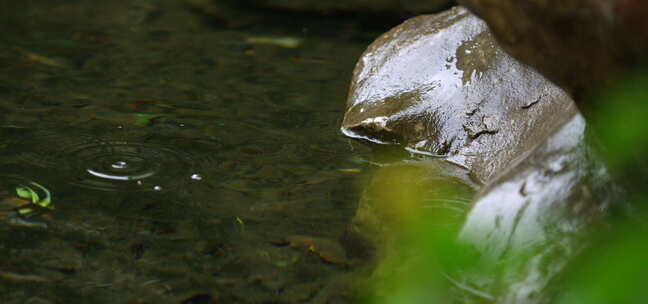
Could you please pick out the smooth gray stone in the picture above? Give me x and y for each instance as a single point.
(440, 85)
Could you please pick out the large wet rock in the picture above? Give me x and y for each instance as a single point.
(440, 85)
(582, 45)
(524, 228)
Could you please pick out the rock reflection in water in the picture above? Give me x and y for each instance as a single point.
(399, 193)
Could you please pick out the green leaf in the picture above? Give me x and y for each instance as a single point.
(23, 192)
(48, 196)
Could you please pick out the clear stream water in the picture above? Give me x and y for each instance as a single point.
(180, 151)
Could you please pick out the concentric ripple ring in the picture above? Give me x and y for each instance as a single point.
(122, 165)
(125, 161)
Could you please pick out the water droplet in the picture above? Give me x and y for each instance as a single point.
(157, 188)
(196, 176)
(119, 164)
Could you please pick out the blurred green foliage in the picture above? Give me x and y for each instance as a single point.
(615, 268)
(620, 122)
(422, 251)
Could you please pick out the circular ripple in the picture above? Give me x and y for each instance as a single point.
(129, 164)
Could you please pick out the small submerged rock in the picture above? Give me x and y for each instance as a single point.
(440, 85)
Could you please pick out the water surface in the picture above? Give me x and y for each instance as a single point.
(180, 152)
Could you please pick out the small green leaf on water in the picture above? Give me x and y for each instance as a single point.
(23, 192)
(34, 196)
(48, 196)
(27, 193)
(45, 203)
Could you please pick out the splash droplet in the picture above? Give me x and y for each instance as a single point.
(119, 165)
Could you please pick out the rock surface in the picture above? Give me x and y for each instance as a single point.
(440, 85)
(534, 219)
(589, 48)
(582, 45)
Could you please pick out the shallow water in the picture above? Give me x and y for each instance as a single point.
(180, 154)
